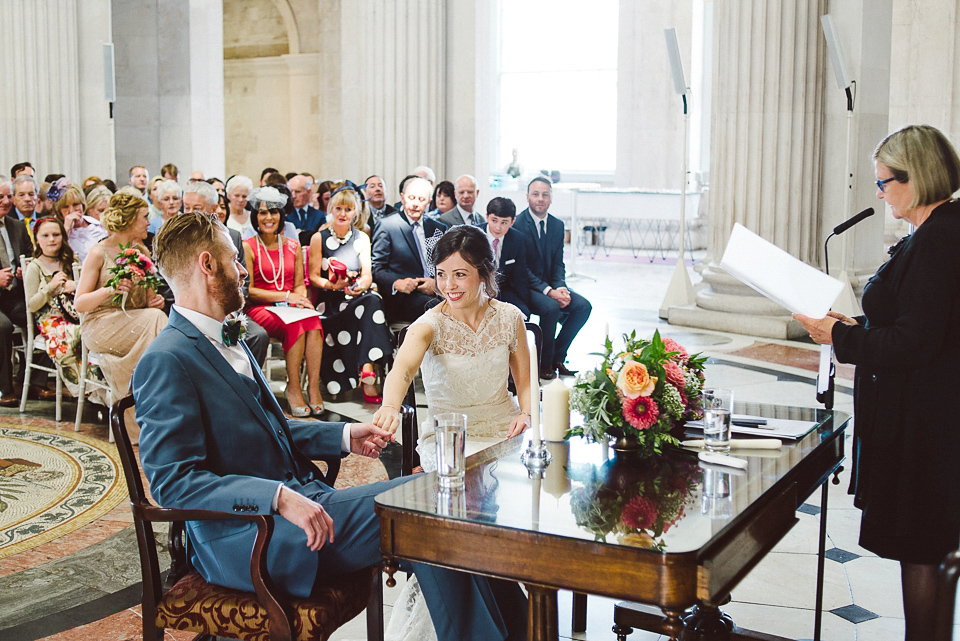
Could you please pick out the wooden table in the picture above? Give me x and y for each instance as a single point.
(547, 533)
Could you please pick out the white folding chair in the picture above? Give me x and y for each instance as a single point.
(31, 343)
(86, 358)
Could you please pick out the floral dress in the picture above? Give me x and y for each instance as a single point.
(61, 334)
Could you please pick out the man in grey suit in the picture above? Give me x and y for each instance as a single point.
(14, 242)
(463, 214)
(213, 437)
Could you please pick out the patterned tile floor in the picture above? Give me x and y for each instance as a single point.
(85, 584)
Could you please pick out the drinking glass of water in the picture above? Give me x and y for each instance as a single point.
(450, 429)
(717, 407)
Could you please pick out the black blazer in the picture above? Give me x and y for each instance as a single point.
(19, 239)
(311, 222)
(395, 254)
(544, 258)
(513, 275)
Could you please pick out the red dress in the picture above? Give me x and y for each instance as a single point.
(266, 265)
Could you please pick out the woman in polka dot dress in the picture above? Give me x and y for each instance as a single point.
(357, 336)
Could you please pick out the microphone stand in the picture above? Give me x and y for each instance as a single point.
(828, 369)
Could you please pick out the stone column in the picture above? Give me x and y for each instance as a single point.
(765, 159)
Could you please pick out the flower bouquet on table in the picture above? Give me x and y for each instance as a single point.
(639, 394)
(133, 265)
(639, 508)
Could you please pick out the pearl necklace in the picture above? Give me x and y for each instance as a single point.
(277, 280)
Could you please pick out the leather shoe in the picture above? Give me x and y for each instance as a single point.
(563, 370)
(38, 393)
(547, 374)
(9, 400)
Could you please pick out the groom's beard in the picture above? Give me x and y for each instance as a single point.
(228, 292)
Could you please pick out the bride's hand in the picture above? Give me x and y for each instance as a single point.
(518, 425)
(387, 418)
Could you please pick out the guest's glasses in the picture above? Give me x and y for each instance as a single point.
(881, 183)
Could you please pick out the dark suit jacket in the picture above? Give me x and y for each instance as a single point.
(395, 253)
(206, 443)
(20, 240)
(513, 275)
(544, 258)
(311, 222)
(454, 217)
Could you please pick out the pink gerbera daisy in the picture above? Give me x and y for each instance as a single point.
(671, 345)
(640, 513)
(641, 412)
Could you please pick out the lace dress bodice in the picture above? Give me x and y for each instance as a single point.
(466, 371)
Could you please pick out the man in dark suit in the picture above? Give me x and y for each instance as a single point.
(305, 218)
(13, 311)
(401, 255)
(202, 197)
(509, 253)
(549, 297)
(376, 194)
(463, 214)
(214, 438)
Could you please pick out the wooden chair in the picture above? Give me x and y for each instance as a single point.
(32, 343)
(185, 601)
(946, 597)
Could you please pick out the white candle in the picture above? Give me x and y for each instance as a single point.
(534, 390)
(556, 410)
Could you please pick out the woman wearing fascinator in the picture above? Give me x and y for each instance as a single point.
(465, 348)
(275, 264)
(357, 336)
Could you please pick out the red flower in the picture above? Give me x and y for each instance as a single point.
(671, 345)
(674, 375)
(641, 412)
(640, 513)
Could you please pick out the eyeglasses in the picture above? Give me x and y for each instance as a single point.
(881, 183)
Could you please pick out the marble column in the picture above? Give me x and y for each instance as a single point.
(766, 150)
(54, 113)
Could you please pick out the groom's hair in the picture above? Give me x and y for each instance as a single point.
(182, 238)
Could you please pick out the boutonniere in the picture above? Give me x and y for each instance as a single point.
(234, 330)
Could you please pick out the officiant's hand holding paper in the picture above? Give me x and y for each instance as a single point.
(820, 329)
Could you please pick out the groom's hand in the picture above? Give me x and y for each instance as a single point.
(367, 439)
(307, 515)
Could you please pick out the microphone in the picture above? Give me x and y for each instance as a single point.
(847, 224)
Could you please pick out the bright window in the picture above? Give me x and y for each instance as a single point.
(558, 84)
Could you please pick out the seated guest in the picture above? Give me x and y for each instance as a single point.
(304, 217)
(25, 199)
(48, 281)
(275, 264)
(170, 197)
(509, 254)
(549, 297)
(263, 176)
(156, 216)
(202, 197)
(119, 335)
(323, 195)
(375, 193)
(401, 251)
(212, 432)
(170, 172)
(463, 213)
(357, 335)
(238, 191)
(218, 185)
(444, 199)
(80, 220)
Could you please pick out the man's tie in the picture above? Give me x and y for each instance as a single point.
(496, 251)
(475, 218)
(418, 236)
(543, 229)
(4, 258)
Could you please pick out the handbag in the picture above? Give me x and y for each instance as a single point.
(64, 303)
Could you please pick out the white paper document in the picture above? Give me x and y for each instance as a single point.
(293, 314)
(784, 428)
(779, 276)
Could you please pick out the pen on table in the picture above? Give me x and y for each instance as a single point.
(742, 443)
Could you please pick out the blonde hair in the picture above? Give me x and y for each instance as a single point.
(123, 210)
(97, 194)
(922, 156)
(352, 198)
(71, 195)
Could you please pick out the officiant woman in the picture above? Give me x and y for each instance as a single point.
(905, 475)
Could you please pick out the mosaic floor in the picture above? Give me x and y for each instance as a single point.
(85, 584)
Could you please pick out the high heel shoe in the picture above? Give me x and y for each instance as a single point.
(316, 410)
(297, 411)
(373, 400)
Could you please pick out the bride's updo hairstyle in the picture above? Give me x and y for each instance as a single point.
(473, 247)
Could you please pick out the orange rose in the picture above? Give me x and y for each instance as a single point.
(634, 380)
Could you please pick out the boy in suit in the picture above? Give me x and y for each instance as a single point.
(509, 253)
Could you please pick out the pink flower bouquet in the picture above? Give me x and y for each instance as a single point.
(644, 391)
(135, 266)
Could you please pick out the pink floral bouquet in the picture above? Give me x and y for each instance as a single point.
(644, 391)
(133, 265)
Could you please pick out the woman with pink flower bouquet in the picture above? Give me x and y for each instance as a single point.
(120, 311)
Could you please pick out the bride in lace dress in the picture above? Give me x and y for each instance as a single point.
(465, 347)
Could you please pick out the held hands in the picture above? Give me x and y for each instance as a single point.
(296, 300)
(387, 419)
(820, 329)
(406, 285)
(561, 295)
(307, 515)
(156, 301)
(6, 276)
(366, 439)
(125, 285)
(426, 286)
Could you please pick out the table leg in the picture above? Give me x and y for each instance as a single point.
(579, 616)
(821, 555)
(707, 621)
(542, 616)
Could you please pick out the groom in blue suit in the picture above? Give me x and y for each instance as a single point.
(213, 437)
